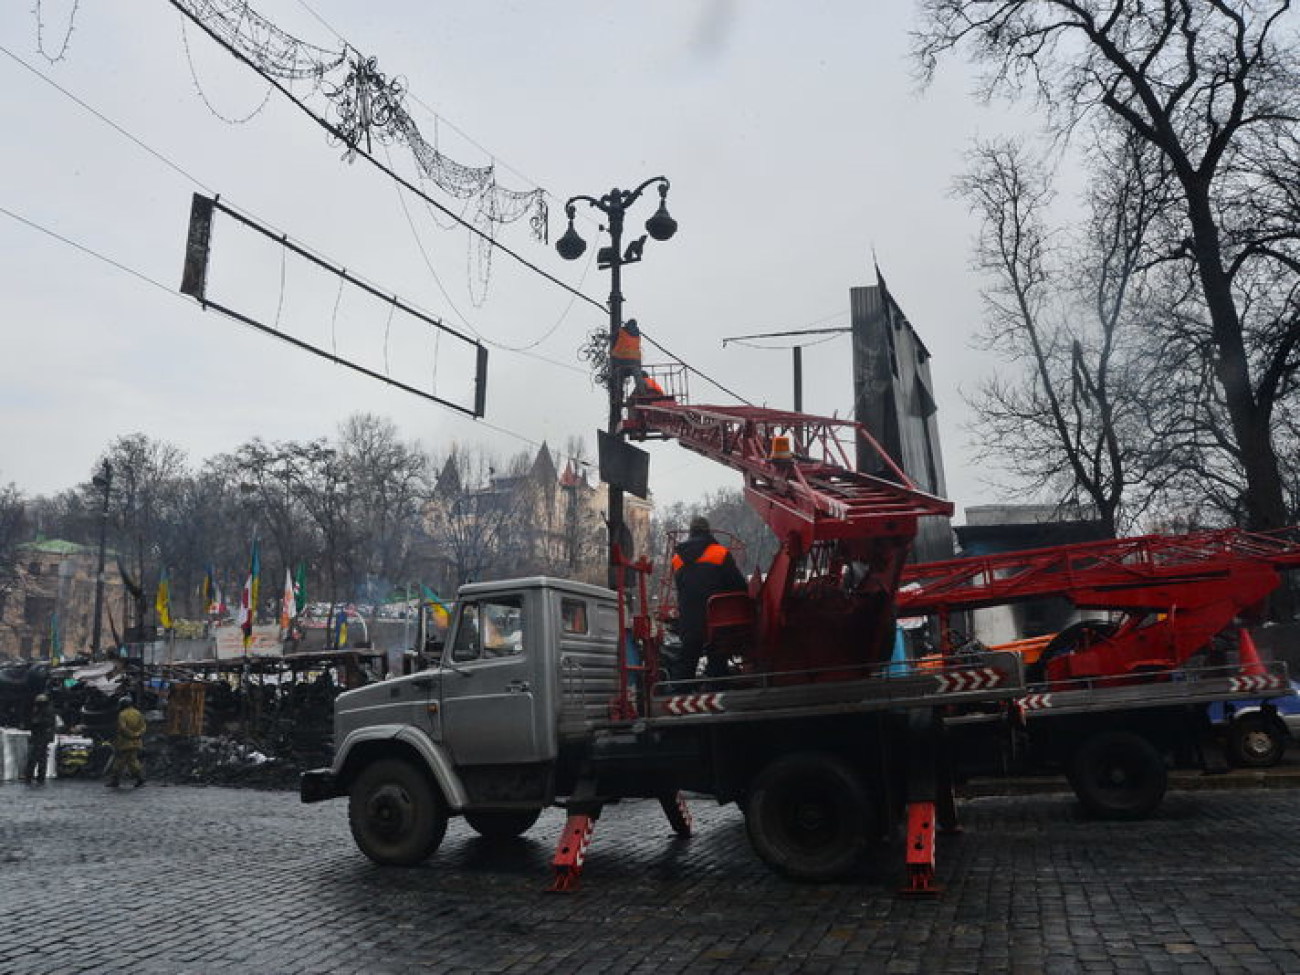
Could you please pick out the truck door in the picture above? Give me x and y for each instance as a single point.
(490, 689)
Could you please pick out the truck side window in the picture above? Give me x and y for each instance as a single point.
(574, 613)
(492, 628)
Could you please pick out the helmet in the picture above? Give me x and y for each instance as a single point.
(126, 701)
(699, 525)
(42, 698)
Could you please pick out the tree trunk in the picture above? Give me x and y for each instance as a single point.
(1264, 501)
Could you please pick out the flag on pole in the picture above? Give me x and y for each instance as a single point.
(440, 611)
(288, 603)
(248, 600)
(213, 604)
(162, 602)
(300, 587)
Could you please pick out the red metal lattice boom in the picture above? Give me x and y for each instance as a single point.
(1176, 592)
(826, 601)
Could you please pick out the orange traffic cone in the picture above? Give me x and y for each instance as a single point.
(1248, 656)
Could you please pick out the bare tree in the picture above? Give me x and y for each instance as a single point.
(146, 477)
(1210, 87)
(387, 481)
(582, 550)
(13, 532)
(1068, 422)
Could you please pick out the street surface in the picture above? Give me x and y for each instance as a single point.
(172, 879)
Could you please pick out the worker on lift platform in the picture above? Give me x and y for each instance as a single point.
(702, 567)
(625, 353)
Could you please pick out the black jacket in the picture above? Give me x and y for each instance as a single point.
(696, 581)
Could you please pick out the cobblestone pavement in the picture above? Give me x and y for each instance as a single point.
(191, 879)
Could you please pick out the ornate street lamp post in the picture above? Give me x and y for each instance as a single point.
(614, 205)
(104, 482)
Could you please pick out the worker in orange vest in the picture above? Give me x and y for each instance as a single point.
(625, 355)
(648, 388)
(702, 567)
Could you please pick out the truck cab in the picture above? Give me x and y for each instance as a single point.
(528, 668)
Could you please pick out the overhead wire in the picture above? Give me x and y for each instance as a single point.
(402, 181)
(195, 180)
(171, 292)
(451, 303)
(440, 119)
(357, 150)
(576, 294)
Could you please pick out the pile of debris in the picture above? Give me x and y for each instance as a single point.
(215, 761)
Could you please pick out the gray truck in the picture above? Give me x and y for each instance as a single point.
(517, 717)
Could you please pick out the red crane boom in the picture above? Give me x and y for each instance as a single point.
(1176, 592)
(827, 599)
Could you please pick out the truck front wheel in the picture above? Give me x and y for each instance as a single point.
(808, 816)
(502, 824)
(1118, 775)
(397, 815)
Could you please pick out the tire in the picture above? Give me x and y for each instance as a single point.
(1118, 775)
(397, 815)
(1255, 742)
(808, 816)
(502, 824)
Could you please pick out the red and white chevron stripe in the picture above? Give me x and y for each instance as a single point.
(976, 679)
(1260, 682)
(694, 704)
(1035, 702)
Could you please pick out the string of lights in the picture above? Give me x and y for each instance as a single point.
(67, 35)
(366, 107)
(193, 179)
(292, 65)
(358, 151)
(437, 280)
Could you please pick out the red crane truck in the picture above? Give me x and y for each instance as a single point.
(549, 692)
(1115, 701)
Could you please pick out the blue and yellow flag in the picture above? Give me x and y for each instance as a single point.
(440, 611)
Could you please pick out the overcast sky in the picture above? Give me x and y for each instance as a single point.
(795, 137)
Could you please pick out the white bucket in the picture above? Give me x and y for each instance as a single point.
(13, 753)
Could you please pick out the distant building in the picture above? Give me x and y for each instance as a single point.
(50, 610)
(538, 520)
(893, 398)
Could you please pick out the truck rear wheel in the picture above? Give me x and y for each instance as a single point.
(397, 815)
(1118, 775)
(502, 824)
(808, 816)
(1256, 742)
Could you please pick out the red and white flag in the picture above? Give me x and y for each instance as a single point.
(288, 603)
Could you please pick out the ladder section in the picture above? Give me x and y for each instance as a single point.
(799, 469)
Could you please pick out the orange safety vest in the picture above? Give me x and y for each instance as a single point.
(652, 387)
(627, 346)
(715, 554)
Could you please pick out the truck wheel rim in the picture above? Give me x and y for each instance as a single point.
(390, 811)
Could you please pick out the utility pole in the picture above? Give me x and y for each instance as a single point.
(661, 226)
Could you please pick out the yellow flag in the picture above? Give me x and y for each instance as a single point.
(163, 603)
